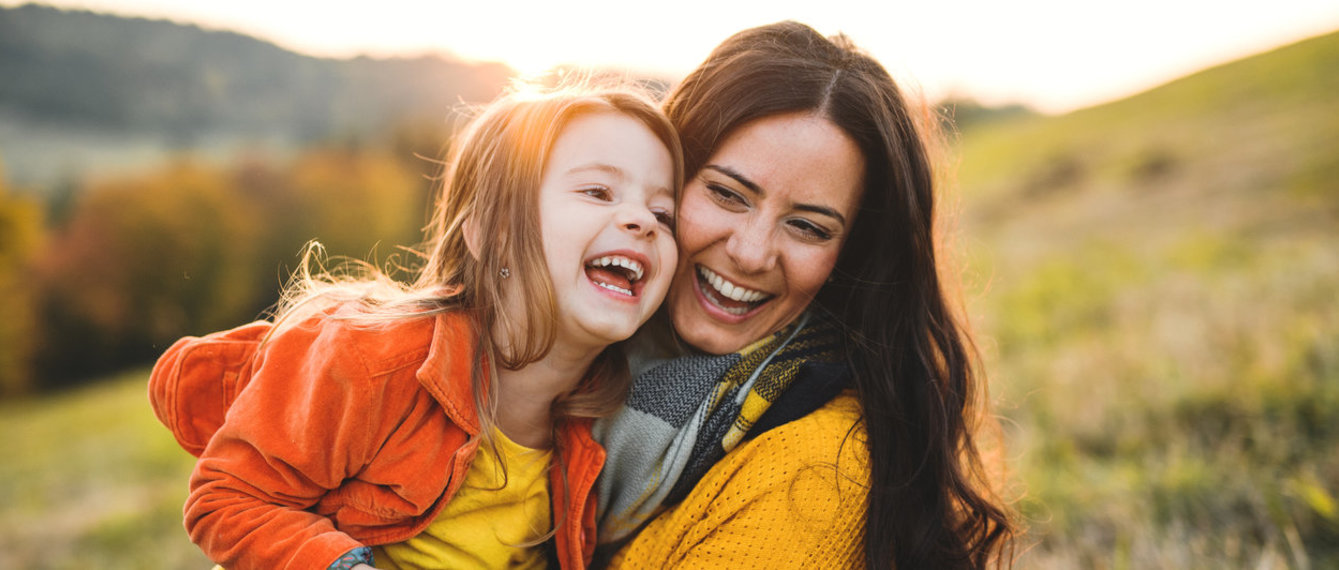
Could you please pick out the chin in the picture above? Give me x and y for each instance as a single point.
(610, 333)
(710, 341)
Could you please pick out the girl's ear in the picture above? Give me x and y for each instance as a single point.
(471, 230)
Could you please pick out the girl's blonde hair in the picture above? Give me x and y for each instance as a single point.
(491, 183)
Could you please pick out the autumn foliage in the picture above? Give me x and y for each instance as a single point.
(189, 248)
(20, 235)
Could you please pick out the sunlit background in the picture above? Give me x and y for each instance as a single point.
(1052, 55)
(1143, 198)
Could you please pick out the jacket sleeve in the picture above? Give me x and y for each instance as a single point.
(792, 498)
(197, 379)
(308, 420)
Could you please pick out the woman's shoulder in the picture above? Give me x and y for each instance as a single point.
(832, 434)
(825, 447)
(793, 497)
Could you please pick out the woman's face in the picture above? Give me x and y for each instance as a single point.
(760, 228)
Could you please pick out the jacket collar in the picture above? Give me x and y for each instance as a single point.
(445, 374)
(446, 371)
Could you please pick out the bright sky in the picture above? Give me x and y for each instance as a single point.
(1055, 55)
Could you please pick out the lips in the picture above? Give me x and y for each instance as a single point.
(728, 296)
(618, 273)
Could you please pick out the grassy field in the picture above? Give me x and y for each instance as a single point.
(92, 480)
(1156, 282)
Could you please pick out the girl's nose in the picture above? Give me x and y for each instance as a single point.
(637, 219)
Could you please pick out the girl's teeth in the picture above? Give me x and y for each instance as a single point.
(630, 265)
(615, 288)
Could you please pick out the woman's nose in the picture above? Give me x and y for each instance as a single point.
(751, 248)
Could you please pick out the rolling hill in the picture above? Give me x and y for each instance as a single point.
(86, 91)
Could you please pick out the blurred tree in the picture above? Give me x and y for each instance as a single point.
(195, 248)
(21, 228)
(360, 204)
(140, 263)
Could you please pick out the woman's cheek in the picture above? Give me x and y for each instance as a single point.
(820, 266)
(697, 226)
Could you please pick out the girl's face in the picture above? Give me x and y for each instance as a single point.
(606, 207)
(760, 228)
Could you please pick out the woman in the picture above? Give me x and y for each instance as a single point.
(824, 409)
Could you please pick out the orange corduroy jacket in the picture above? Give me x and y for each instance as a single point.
(348, 435)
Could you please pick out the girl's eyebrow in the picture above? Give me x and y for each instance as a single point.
(598, 167)
(753, 186)
(613, 171)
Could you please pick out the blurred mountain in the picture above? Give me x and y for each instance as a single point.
(85, 91)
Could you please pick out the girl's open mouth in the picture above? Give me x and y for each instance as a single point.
(616, 273)
(727, 296)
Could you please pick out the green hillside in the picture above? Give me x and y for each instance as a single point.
(1156, 281)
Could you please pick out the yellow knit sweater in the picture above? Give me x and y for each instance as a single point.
(794, 497)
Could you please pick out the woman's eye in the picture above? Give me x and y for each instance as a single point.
(810, 230)
(597, 192)
(725, 195)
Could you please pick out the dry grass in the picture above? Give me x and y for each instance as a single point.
(1157, 286)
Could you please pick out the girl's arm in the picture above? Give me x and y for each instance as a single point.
(307, 421)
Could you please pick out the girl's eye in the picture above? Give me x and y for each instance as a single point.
(810, 230)
(665, 218)
(725, 196)
(597, 192)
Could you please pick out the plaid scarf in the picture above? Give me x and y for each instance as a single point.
(684, 414)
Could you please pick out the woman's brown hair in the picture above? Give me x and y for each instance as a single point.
(914, 367)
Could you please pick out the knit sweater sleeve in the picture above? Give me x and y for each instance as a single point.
(794, 497)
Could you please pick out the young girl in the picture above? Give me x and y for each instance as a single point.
(441, 421)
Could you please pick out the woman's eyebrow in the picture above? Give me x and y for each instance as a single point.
(751, 185)
(738, 177)
(823, 210)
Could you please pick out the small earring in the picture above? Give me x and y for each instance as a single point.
(505, 272)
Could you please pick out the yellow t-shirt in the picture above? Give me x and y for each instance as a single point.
(486, 523)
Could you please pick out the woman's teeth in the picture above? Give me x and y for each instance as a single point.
(728, 289)
(744, 299)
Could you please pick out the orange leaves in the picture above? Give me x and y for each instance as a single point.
(195, 247)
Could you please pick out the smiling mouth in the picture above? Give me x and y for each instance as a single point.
(727, 296)
(616, 273)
